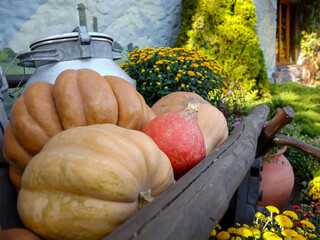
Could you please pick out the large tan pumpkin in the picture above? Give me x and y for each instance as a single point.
(77, 98)
(211, 120)
(87, 180)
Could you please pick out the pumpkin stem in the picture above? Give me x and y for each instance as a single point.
(191, 108)
(145, 198)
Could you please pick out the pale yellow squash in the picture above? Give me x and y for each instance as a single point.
(88, 180)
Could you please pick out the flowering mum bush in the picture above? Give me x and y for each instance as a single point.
(160, 71)
(289, 225)
(314, 189)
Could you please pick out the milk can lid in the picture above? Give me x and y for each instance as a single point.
(79, 32)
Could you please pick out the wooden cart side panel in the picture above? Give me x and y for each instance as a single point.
(196, 203)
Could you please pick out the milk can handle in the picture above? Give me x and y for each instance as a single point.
(40, 57)
(83, 35)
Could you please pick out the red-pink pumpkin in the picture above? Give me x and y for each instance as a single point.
(179, 136)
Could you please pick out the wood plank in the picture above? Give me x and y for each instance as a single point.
(194, 205)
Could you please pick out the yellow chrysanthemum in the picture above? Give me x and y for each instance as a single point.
(182, 85)
(158, 83)
(223, 235)
(179, 75)
(284, 221)
(232, 230)
(224, 91)
(159, 76)
(199, 82)
(289, 232)
(307, 224)
(180, 58)
(299, 237)
(159, 62)
(143, 70)
(177, 79)
(213, 233)
(312, 235)
(256, 232)
(191, 73)
(235, 238)
(166, 87)
(206, 64)
(199, 74)
(157, 69)
(258, 214)
(268, 235)
(244, 232)
(122, 65)
(273, 209)
(168, 68)
(291, 214)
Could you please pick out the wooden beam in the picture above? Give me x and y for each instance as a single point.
(281, 140)
(279, 32)
(265, 140)
(194, 205)
(288, 33)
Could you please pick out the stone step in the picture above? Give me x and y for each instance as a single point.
(287, 73)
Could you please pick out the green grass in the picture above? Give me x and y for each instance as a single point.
(305, 101)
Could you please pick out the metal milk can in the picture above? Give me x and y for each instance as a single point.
(78, 49)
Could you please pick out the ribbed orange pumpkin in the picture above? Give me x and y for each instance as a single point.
(211, 120)
(77, 98)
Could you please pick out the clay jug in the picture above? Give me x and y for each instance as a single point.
(277, 180)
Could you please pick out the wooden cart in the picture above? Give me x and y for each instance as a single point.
(223, 188)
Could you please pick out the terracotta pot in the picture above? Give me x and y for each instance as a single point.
(277, 181)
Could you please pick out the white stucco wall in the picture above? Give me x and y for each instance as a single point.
(266, 11)
(143, 23)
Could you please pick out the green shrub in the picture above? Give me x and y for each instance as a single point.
(225, 30)
(160, 71)
(305, 101)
